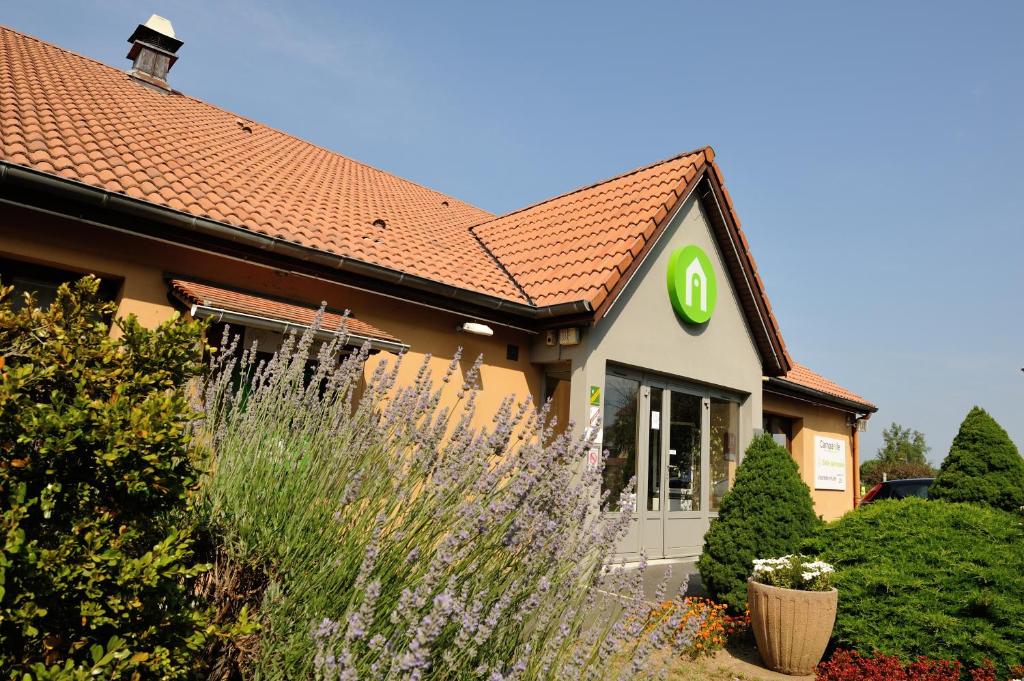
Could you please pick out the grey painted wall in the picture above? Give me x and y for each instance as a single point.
(642, 331)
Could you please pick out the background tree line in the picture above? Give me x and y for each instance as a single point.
(903, 456)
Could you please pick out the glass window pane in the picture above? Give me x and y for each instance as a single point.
(44, 292)
(621, 406)
(780, 428)
(654, 453)
(724, 448)
(42, 282)
(684, 453)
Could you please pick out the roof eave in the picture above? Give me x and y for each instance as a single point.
(349, 338)
(756, 292)
(787, 388)
(119, 203)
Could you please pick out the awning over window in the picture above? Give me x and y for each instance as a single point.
(247, 309)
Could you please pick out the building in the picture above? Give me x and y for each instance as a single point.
(182, 207)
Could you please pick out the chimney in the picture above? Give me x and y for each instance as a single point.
(153, 51)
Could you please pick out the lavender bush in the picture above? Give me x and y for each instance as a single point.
(401, 542)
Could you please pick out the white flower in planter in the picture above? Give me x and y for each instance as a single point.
(793, 572)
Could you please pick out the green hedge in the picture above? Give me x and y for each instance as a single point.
(768, 513)
(929, 578)
(94, 470)
(983, 466)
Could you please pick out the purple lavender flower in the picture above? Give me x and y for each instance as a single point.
(439, 547)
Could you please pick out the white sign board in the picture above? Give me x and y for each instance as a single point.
(829, 463)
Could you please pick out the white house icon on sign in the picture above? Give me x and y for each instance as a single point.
(697, 278)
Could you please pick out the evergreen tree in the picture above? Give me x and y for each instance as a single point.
(768, 513)
(983, 466)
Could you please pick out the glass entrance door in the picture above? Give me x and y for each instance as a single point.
(685, 516)
(681, 443)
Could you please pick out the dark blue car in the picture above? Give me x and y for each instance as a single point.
(898, 489)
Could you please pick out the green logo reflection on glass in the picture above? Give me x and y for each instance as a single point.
(691, 284)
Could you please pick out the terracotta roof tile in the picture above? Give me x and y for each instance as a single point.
(251, 304)
(67, 114)
(802, 376)
(607, 224)
(103, 128)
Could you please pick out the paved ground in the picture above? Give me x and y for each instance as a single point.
(656, 573)
(743, 660)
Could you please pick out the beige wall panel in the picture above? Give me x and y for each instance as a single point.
(143, 265)
(815, 420)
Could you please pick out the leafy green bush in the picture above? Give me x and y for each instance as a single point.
(983, 466)
(94, 464)
(929, 578)
(768, 513)
(397, 540)
(871, 472)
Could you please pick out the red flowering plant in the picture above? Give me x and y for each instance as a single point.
(737, 625)
(849, 665)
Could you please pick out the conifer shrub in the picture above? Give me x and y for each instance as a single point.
(400, 540)
(983, 466)
(95, 562)
(768, 513)
(929, 578)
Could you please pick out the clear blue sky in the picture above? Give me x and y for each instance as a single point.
(874, 149)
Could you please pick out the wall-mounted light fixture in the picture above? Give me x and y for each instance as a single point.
(475, 328)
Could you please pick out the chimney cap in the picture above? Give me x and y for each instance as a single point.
(160, 25)
(156, 32)
(153, 51)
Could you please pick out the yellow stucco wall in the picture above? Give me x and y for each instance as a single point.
(812, 420)
(143, 264)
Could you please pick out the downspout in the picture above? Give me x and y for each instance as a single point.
(855, 453)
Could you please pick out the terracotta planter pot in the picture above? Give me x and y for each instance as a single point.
(792, 627)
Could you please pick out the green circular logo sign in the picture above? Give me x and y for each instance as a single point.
(691, 284)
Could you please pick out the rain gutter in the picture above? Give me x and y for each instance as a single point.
(788, 389)
(18, 175)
